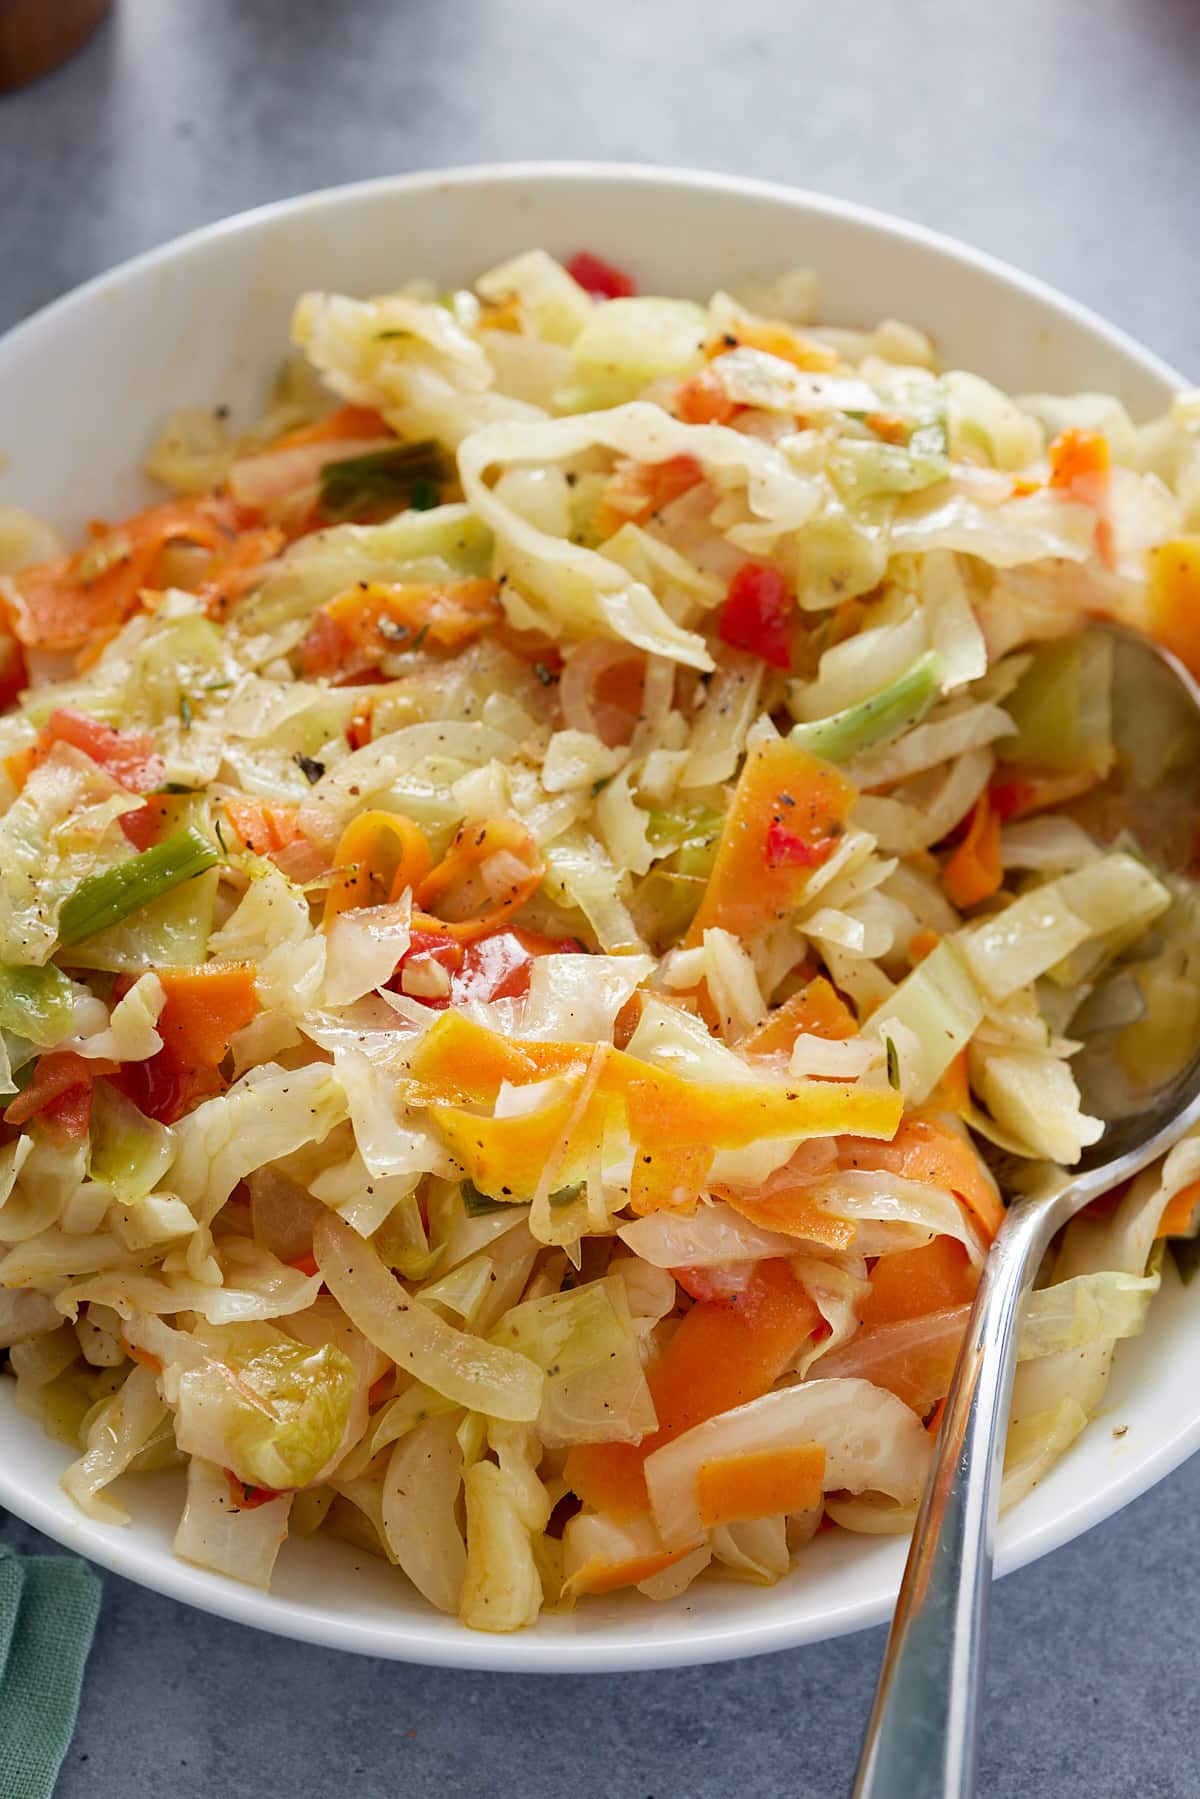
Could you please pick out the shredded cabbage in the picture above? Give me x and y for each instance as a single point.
(494, 787)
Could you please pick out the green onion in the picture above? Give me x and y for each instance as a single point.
(565, 1196)
(895, 708)
(384, 478)
(893, 1064)
(105, 899)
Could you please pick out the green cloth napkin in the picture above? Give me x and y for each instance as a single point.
(48, 1610)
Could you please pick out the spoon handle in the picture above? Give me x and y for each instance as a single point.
(922, 1741)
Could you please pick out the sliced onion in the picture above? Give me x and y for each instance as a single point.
(215, 1533)
(912, 1358)
(475, 1374)
(420, 1492)
(582, 707)
(713, 1235)
(121, 1427)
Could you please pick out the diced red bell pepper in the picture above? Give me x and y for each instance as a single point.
(128, 756)
(758, 614)
(494, 967)
(245, 1497)
(499, 966)
(427, 948)
(60, 1093)
(162, 1090)
(786, 850)
(600, 278)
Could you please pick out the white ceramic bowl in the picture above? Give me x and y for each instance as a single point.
(82, 387)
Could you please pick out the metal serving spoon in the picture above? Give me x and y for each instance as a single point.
(922, 1741)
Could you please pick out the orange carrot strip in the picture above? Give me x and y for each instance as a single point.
(913, 1358)
(1178, 1212)
(791, 1210)
(817, 1010)
(474, 846)
(1079, 455)
(670, 1180)
(910, 1282)
(264, 826)
(924, 1150)
(606, 1577)
(378, 855)
(65, 604)
(382, 618)
(348, 422)
(974, 871)
(787, 814)
(776, 339)
(204, 1007)
(635, 490)
(1173, 594)
(761, 1484)
(702, 400)
(720, 1356)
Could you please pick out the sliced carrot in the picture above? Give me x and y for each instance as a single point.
(925, 1150)
(817, 1010)
(1173, 592)
(922, 944)
(913, 1357)
(379, 618)
(702, 400)
(667, 1112)
(68, 603)
(204, 1007)
(720, 1356)
(669, 1181)
(264, 826)
(460, 1060)
(607, 1577)
(637, 490)
(1179, 1212)
(236, 566)
(142, 1356)
(786, 817)
(378, 855)
(353, 422)
(910, 1282)
(953, 1091)
(775, 339)
(790, 1210)
(1080, 459)
(475, 849)
(974, 871)
(760, 1485)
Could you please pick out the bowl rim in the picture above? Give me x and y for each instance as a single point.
(690, 1641)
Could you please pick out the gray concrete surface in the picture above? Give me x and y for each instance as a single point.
(1062, 134)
